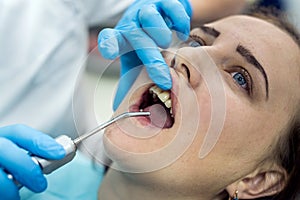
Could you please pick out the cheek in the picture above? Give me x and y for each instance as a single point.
(197, 166)
(246, 136)
(236, 145)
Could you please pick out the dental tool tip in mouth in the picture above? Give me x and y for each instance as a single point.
(104, 125)
(159, 103)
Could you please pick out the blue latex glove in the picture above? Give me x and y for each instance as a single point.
(14, 140)
(144, 26)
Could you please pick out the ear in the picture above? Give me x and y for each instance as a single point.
(260, 184)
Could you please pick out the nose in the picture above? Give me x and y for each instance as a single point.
(179, 59)
(195, 63)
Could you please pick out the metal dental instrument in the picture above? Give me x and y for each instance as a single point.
(104, 125)
(70, 145)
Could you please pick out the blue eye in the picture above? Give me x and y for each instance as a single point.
(194, 43)
(240, 79)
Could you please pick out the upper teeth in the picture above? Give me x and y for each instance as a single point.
(164, 96)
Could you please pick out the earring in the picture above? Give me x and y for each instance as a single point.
(235, 196)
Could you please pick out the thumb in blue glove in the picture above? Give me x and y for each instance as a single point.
(14, 140)
(145, 25)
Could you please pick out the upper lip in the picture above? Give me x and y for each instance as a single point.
(174, 90)
(137, 102)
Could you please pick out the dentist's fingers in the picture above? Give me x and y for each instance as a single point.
(19, 164)
(34, 141)
(145, 26)
(129, 61)
(146, 51)
(150, 55)
(175, 11)
(187, 6)
(8, 188)
(109, 43)
(155, 26)
(131, 67)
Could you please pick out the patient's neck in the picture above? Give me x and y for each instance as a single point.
(117, 185)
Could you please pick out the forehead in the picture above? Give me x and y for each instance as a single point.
(255, 32)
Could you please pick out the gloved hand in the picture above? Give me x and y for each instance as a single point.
(14, 140)
(144, 26)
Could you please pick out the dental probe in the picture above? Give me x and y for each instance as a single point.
(70, 145)
(104, 125)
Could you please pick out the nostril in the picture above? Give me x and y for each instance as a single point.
(180, 67)
(186, 70)
(172, 63)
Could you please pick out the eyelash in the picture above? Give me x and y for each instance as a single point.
(247, 77)
(197, 39)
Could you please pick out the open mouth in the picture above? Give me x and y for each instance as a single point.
(159, 103)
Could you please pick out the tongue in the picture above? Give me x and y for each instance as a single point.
(159, 116)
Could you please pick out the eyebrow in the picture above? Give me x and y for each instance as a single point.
(210, 31)
(246, 53)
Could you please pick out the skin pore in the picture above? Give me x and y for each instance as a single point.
(259, 74)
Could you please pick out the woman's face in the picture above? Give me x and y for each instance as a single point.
(258, 65)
